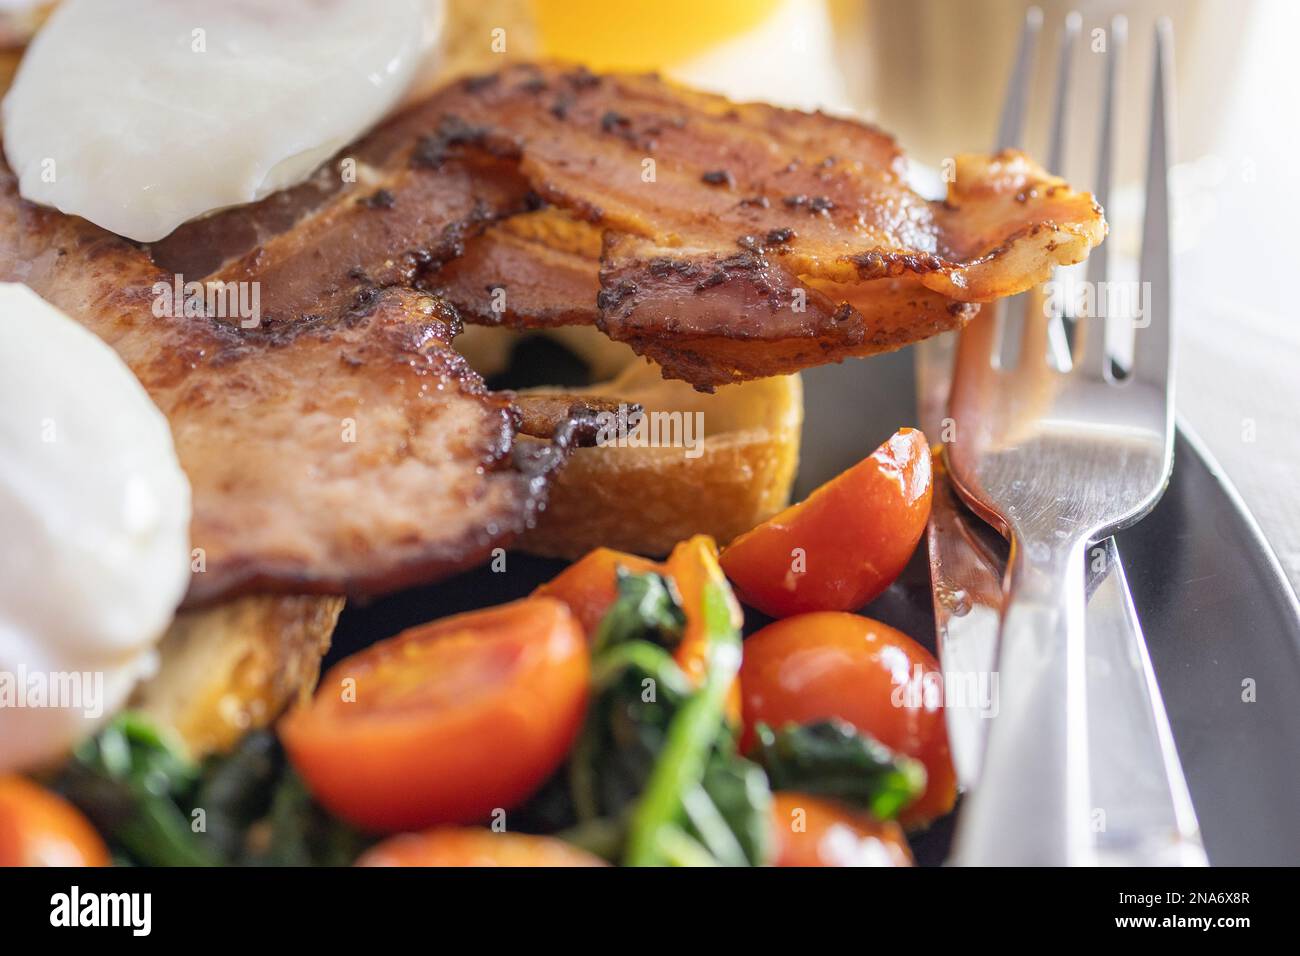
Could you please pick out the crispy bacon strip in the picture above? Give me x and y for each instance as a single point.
(389, 209)
(355, 453)
(725, 241)
(744, 240)
(536, 270)
(826, 196)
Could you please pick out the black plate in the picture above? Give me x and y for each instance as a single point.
(1215, 606)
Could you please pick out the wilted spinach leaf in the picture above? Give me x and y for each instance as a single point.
(132, 784)
(157, 808)
(832, 758)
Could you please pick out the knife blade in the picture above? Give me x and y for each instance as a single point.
(965, 579)
(1143, 811)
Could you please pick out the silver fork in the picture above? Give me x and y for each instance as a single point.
(1057, 460)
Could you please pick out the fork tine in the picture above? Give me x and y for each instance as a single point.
(1011, 127)
(1094, 361)
(1002, 319)
(1056, 345)
(1151, 347)
(1056, 149)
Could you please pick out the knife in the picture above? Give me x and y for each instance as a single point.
(1142, 811)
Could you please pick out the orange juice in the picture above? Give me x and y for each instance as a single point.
(642, 34)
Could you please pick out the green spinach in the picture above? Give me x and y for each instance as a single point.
(832, 758)
(654, 778)
(157, 808)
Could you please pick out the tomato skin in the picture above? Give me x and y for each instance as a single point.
(475, 846)
(40, 828)
(813, 831)
(857, 532)
(693, 565)
(448, 721)
(590, 585)
(831, 664)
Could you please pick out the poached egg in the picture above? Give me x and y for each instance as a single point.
(140, 115)
(95, 551)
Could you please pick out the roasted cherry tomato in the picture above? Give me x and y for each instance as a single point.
(843, 545)
(831, 664)
(445, 722)
(692, 565)
(475, 846)
(589, 587)
(812, 831)
(39, 828)
(590, 584)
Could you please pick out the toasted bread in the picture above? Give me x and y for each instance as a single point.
(645, 498)
(227, 669)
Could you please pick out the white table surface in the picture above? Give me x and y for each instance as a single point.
(1239, 322)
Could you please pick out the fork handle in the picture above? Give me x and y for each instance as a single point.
(1031, 807)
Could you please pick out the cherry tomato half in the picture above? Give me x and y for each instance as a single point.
(842, 546)
(589, 587)
(830, 664)
(812, 831)
(40, 828)
(475, 846)
(445, 722)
